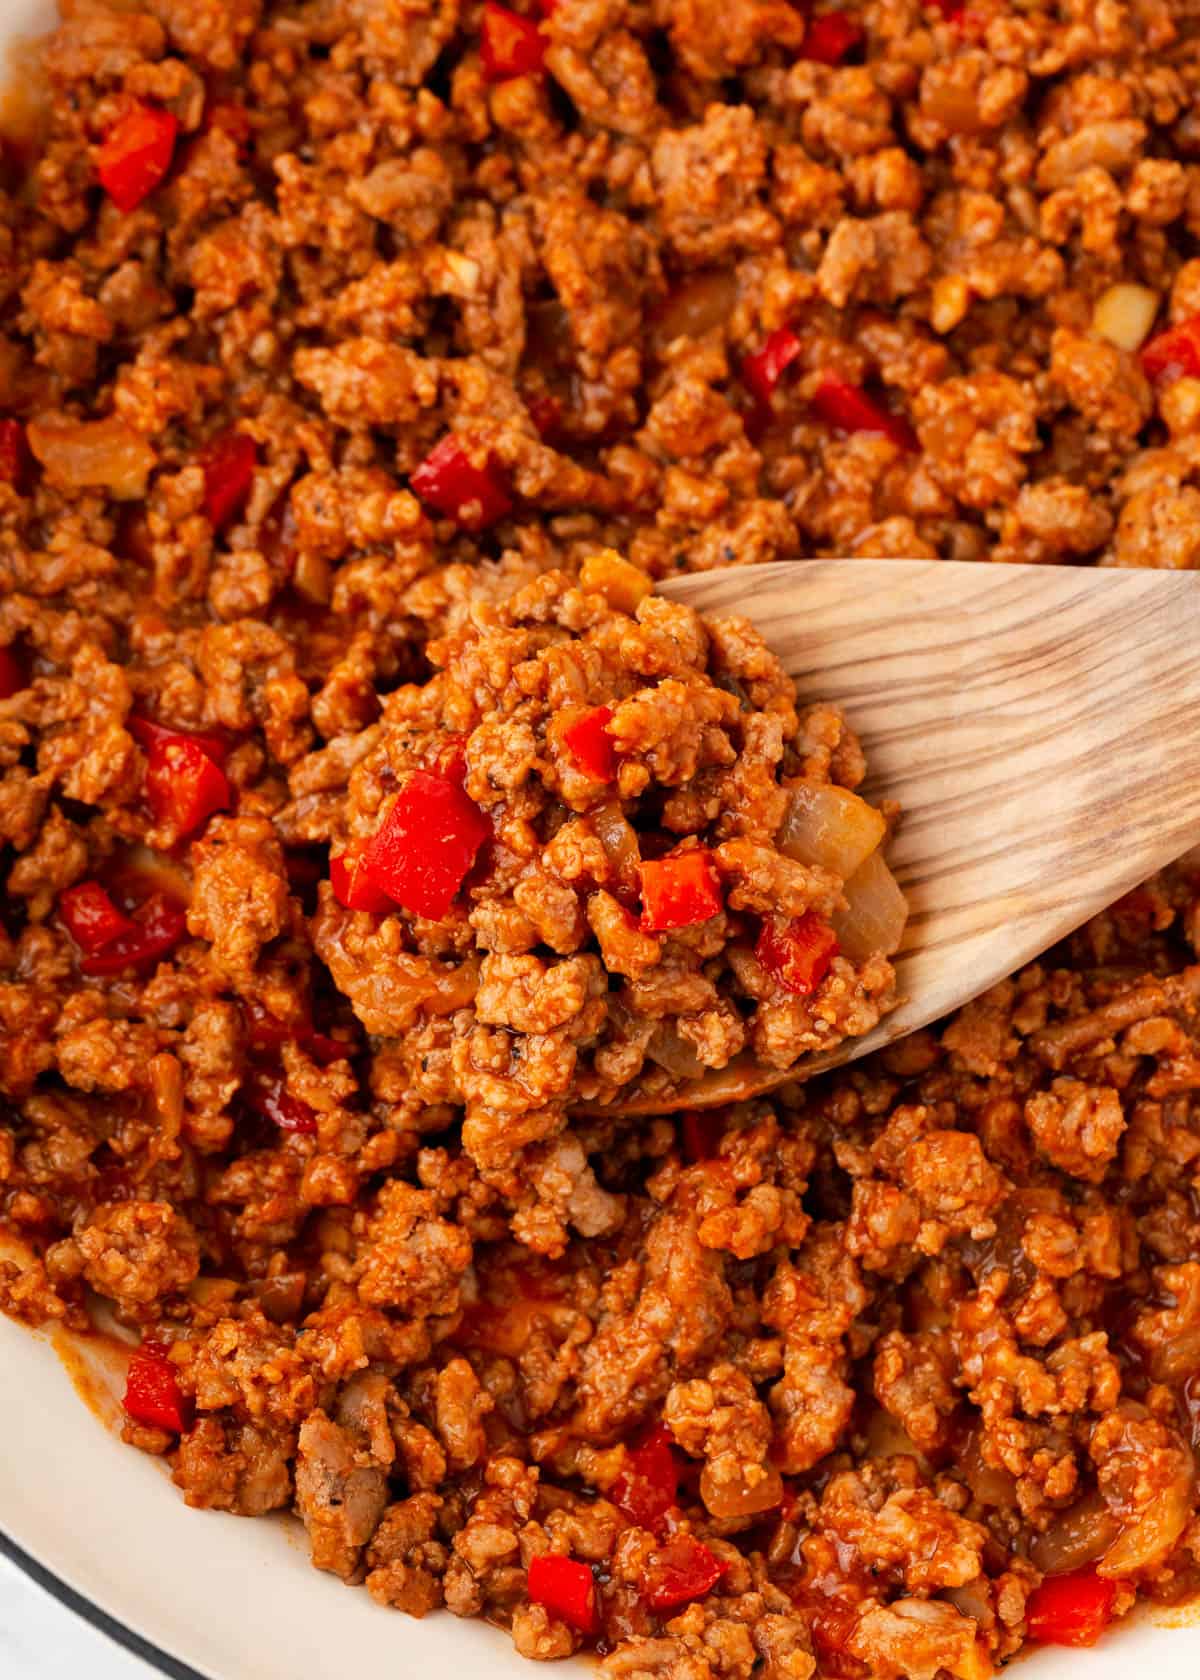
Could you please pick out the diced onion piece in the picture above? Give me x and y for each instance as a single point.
(622, 585)
(1146, 1542)
(212, 1291)
(731, 1501)
(991, 1484)
(1076, 1537)
(876, 912)
(886, 1437)
(700, 303)
(673, 1055)
(1124, 315)
(93, 455)
(829, 826)
(621, 848)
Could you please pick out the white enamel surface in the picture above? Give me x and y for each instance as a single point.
(237, 1599)
(42, 1640)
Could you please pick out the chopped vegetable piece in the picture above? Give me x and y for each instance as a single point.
(680, 1571)
(546, 413)
(93, 455)
(830, 826)
(324, 1049)
(1123, 314)
(136, 153)
(183, 785)
(158, 926)
(91, 917)
(352, 886)
(1174, 354)
(679, 890)
(648, 1486)
(428, 841)
(511, 45)
(14, 454)
(12, 677)
(591, 746)
(850, 409)
(763, 370)
(268, 1032)
(447, 481)
(797, 953)
(701, 1132)
(152, 1393)
(567, 1589)
(623, 585)
(748, 1495)
(831, 36)
(271, 1099)
(229, 462)
(150, 735)
(1071, 1609)
(875, 914)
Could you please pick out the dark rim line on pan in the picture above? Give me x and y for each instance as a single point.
(83, 1607)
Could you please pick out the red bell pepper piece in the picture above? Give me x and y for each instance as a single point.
(268, 1032)
(12, 677)
(567, 1589)
(797, 953)
(352, 885)
(157, 735)
(701, 1133)
(271, 1099)
(648, 1486)
(831, 36)
(136, 153)
(91, 917)
(546, 411)
(510, 45)
(680, 1571)
(449, 483)
(1070, 1609)
(591, 746)
(679, 890)
(229, 462)
(763, 370)
(158, 926)
(850, 409)
(1173, 354)
(15, 458)
(183, 785)
(324, 1049)
(152, 1393)
(428, 842)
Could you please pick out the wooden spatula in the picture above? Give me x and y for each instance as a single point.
(1040, 726)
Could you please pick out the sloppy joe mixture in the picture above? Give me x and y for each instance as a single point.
(371, 820)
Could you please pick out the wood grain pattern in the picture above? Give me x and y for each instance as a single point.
(1040, 725)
